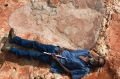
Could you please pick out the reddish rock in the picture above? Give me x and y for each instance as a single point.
(102, 74)
(65, 25)
(55, 2)
(113, 33)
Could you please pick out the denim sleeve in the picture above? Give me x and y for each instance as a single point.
(79, 73)
(55, 68)
(85, 53)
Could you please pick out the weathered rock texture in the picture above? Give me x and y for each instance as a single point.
(113, 33)
(70, 26)
(68, 23)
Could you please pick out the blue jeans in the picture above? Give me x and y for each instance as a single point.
(38, 54)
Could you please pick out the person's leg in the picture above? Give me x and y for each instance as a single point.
(33, 54)
(34, 44)
(31, 44)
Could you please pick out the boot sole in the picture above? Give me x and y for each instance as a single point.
(4, 39)
(3, 43)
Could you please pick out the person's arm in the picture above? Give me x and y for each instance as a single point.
(85, 59)
(61, 65)
(67, 49)
(61, 49)
(94, 53)
(79, 73)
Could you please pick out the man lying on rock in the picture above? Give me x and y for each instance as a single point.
(75, 63)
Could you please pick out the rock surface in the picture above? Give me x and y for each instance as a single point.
(40, 18)
(68, 23)
(113, 33)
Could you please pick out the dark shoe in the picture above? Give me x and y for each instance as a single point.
(4, 39)
(6, 47)
(11, 35)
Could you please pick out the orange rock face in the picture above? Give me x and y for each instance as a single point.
(55, 1)
(72, 24)
(113, 32)
(114, 43)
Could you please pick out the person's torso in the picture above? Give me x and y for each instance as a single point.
(73, 60)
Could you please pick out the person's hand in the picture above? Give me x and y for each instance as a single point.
(85, 59)
(53, 56)
(94, 53)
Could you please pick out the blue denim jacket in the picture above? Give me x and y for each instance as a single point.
(77, 67)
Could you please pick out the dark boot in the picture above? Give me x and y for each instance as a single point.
(6, 47)
(4, 39)
(11, 35)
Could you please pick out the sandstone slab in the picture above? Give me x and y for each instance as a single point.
(40, 18)
(71, 23)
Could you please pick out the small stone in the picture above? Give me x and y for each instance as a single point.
(53, 3)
